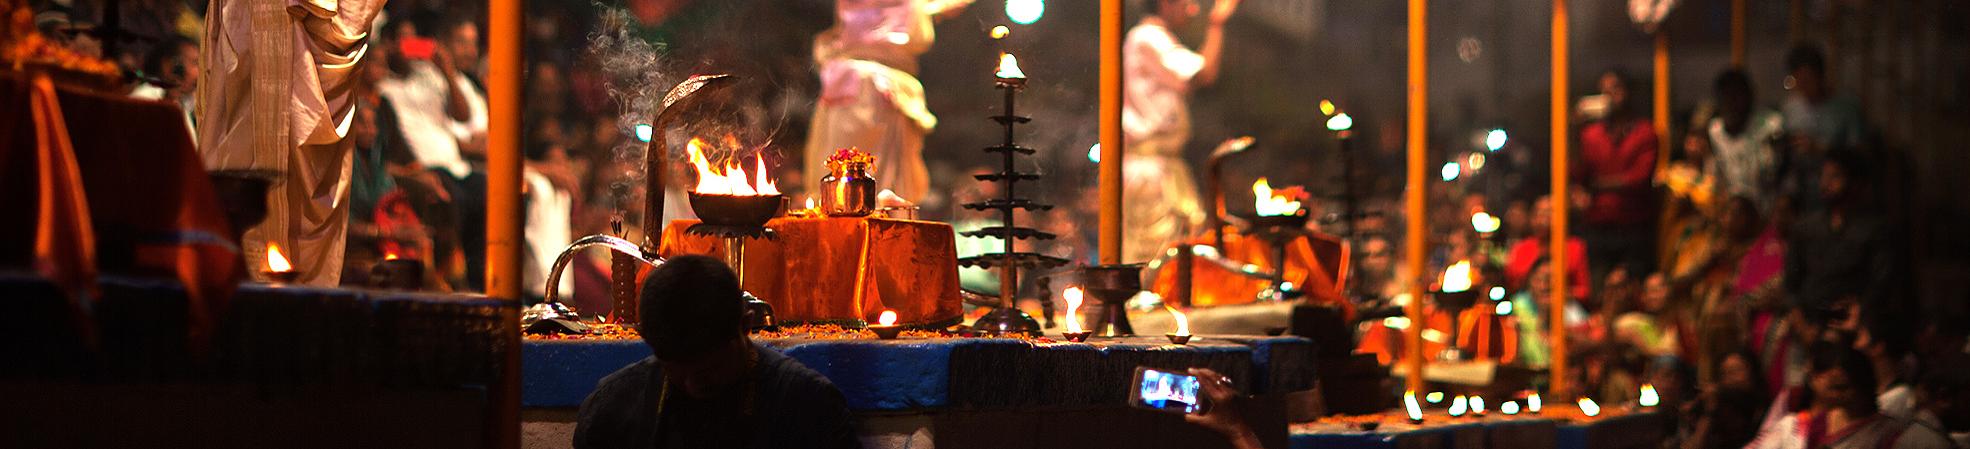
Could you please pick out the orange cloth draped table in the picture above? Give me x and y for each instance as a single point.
(150, 208)
(844, 268)
(1317, 264)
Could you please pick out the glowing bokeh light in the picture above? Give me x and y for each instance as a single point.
(1025, 12)
(1340, 122)
(1495, 140)
(1451, 170)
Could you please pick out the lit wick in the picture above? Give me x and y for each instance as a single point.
(1182, 335)
(278, 269)
(1589, 408)
(885, 327)
(1415, 411)
(1009, 69)
(1075, 333)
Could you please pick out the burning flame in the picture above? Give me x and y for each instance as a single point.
(1268, 204)
(1000, 32)
(1509, 407)
(1183, 322)
(1648, 397)
(1409, 403)
(729, 179)
(391, 255)
(1434, 397)
(1074, 297)
(1477, 404)
(275, 261)
(1532, 403)
(1589, 408)
(1009, 67)
(1457, 278)
(888, 318)
(1458, 406)
(810, 204)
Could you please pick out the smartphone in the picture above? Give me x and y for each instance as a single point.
(417, 48)
(1166, 391)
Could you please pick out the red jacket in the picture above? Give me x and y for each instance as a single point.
(1618, 172)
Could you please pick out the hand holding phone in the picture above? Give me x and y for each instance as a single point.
(1166, 391)
(1222, 414)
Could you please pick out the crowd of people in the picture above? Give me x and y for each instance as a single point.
(1755, 279)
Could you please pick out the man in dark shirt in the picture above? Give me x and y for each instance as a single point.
(1842, 252)
(707, 385)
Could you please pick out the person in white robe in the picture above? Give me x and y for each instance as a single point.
(1159, 74)
(870, 96)
(276, 95)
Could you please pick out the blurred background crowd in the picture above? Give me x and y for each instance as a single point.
(1790, 252)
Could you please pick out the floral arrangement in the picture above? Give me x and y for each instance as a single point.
(23, 45)
(851, 156)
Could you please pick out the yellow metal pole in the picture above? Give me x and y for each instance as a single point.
(1418, 191)
(1111, 132)
(503, 213)
(1557, 247)
(1737, 33)
(1662, 99)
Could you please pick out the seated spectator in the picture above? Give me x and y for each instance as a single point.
(1534, 324)
(1839, 409)
(170, 74)
(1652, 327)
(1728, 410)
(1720, 315)
(1886, 340)
(707, 384)
(1518, 262)
(441, 116)
(1944, 399)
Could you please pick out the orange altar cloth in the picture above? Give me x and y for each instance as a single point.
(844, 268)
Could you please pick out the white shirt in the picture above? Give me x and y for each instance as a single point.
(418, 98)
(1155, 97)
(1747, 162)
(548, 230)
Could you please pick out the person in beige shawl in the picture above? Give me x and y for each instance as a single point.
(870, 96)
(277, 96)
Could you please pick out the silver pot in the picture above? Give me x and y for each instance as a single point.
(849, 191)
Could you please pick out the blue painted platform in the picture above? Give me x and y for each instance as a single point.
(971, 373)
